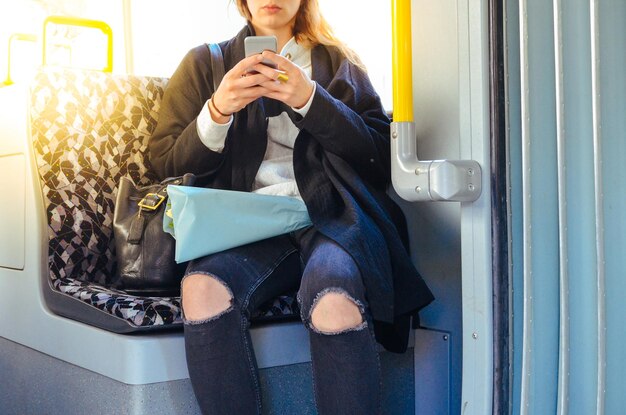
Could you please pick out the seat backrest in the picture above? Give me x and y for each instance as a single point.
(88, 129)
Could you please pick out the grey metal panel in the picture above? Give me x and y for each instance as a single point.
(435, 227)
(476, 240)
(13, 178)
(612, 56)
(12, 200)
(432, 372)
(450, 73)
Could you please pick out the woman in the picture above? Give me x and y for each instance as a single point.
(314, 128)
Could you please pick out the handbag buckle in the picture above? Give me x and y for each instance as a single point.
(151, 201)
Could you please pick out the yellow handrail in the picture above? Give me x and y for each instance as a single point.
(79, 21)
(401, 56)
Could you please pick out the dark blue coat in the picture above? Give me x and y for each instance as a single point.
(341, 162)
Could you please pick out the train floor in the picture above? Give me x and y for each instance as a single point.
(34, 383)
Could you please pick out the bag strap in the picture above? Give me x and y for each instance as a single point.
(148, 206)
(151, 204)
(217, 64)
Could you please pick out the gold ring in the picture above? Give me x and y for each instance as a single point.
(282, 77)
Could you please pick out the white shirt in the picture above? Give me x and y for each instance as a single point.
(275, 175)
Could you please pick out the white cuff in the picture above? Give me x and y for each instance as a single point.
(304, 110)
(211, 133)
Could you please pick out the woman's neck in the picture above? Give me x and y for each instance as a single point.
(282, 35)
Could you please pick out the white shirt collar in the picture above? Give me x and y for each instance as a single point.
(297, 54)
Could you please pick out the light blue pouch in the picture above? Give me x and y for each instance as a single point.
(206, 221)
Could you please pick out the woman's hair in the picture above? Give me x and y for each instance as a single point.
(311, 29)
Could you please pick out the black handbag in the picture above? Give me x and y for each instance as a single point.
(144, 252)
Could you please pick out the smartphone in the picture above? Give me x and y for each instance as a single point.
(257, 44)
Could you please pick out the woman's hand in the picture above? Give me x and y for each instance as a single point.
(289, 83)
(238, 88)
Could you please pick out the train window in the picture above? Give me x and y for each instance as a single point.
(151, 36)
(21, 32)
(162, 34)
(365, 25)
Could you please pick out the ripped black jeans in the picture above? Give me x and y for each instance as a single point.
(221, 362)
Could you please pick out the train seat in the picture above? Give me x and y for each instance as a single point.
(88, 129)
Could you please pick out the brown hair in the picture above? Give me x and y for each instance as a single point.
(310, 29)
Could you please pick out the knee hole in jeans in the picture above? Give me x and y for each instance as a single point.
(204, 297)
(335, 312)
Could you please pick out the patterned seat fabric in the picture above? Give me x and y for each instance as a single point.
(88, 130)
